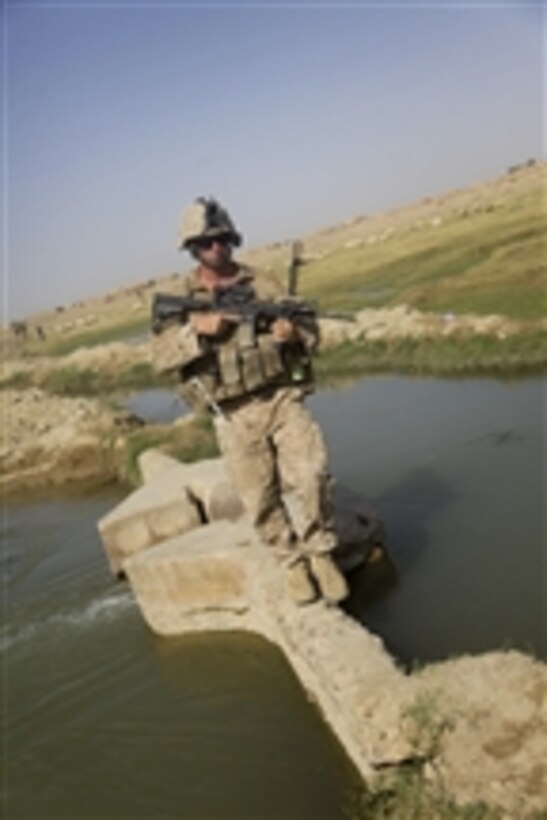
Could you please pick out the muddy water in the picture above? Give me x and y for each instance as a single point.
(458, 471)
(104, 720)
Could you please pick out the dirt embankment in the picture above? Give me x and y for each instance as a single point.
(404, 322)
(481, 722)
(51, 440)
(109, 359)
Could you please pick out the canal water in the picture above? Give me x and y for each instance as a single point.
(105, 720)
(458, 471)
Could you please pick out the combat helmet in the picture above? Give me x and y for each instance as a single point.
(205, 217)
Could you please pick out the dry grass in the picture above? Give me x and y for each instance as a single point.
(479, 250)
(494, 263)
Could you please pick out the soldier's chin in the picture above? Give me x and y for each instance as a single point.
(221, 264)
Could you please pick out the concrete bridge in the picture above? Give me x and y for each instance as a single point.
(195, 564)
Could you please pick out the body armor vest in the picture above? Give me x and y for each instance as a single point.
(245, 360)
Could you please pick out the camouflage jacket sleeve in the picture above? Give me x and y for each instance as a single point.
(177, 345)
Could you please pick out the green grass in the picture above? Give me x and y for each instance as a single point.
(403, 791)
(405, 795)
(450, 356)
(487, 263)
(91, 338)
(204, 445)
(18, 380)
(72, 381)
(188, 443)
(483, 262)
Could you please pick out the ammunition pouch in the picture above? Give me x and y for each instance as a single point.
(241, 367)
(248, 363)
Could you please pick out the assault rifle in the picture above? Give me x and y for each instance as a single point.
(238, 302)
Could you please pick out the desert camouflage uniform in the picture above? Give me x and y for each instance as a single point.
(271, 444)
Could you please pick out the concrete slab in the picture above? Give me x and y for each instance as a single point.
(207, 483)
(148, 516)
(177, 497)
(219, 577)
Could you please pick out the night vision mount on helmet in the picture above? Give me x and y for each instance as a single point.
(206, 217)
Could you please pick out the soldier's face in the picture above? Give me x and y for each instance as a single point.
(214, 252)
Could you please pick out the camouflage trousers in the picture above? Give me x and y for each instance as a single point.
(276, 456)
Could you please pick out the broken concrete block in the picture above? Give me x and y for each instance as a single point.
(206, 481)
(152, 513)
(177, 497)
(204, 571)
(152, 463)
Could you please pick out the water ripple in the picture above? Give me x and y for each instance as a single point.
(106, 608)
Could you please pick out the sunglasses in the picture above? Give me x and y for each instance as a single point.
(205, 243)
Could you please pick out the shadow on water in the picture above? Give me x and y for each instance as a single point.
(407, 510)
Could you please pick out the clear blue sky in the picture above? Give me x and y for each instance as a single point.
(295, 116)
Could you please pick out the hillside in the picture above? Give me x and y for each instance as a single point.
(477, 250)
(449, 286)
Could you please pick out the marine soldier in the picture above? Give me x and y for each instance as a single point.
(255, 379)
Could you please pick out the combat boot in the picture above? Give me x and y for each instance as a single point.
(299, 583)
(332, 583)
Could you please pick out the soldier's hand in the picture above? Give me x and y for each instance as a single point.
(283, 330)
(209, 324)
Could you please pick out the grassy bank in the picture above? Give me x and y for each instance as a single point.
(405, 795)
(480, 251)
(72, 381)
(190, 442)
(472, 355)
(493, 265)
(483, 261)
(58, 345)
(75, 381)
